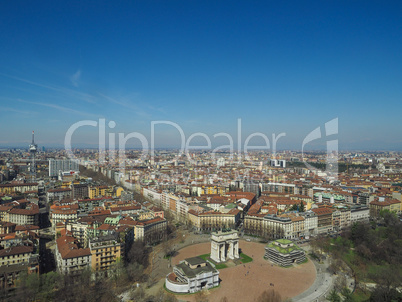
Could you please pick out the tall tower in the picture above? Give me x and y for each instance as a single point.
(33, 148)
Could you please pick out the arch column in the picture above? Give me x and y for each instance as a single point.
(231, 250)
(223, 256)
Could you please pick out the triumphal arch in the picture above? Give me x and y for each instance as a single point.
(224, 245)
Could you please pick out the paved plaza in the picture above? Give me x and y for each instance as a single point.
(248, 281)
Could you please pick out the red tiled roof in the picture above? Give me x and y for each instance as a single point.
(68, 248)
(16, 250)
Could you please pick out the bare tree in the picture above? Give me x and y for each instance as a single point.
(340, 282)
(201, 297)
(269, 296)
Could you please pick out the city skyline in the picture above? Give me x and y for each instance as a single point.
(280, 68)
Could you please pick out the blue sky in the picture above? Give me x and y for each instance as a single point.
(287, 67)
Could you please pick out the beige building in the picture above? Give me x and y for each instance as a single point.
(29, 215)
(383, 203)
(105, 252)
(18, 187)
(212, 220)
(14, 261)
(151, 231)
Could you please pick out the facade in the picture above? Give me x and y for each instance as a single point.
(79, 191)
(14, 261)
(365, 198)
(18, 187)
(253, 224)
(341, 219)
(58, 194)
(279, 187)
(70, 258)
(26, 216)
(359, 214)
(298, 226)
(278, 226)
(383, 203)
(96, 191)
(150, 231)
(310, 223)
(105, 252)
(284, 253)
(175, 204)
(192, 275)
(224, 245)
(211, 221)
(63, 214)
(78, 230)
(324, 220)
(56, 165)
(152, 195)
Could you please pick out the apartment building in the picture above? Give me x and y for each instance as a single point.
(338, 220)
(384, 203)
(67, 213)
(310, 223)
(105, 252)
(70, 258)
(96, 191)
(278, 226)
(324, 223)
(150, 231)
(14, 261)
(253, 224)
(359, 213)
(212, 220)
(61, 165)
(18, 187)
(151, 194)
(29, 215)
(58, 194)
(79, 191)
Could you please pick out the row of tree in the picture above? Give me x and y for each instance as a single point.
(373, 251)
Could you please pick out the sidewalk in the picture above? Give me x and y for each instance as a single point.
(321, 286)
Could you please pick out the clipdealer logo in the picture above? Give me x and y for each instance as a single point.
(116, 154)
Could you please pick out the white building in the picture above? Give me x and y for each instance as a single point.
(310, 223)
(69, 258)
(152, 195)
(56, 165)
(192, 275)
(278, 163)
(359, 214)
(280, 226)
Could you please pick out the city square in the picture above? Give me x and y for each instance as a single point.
(252, 278)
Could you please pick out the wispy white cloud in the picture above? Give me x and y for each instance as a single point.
(61, 108)
(137, 110)
(8, 109)
(65, 91)
(159, 109)
(142, 110)
(75, 78)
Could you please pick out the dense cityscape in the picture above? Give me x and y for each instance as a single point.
(200, 151)
(73, 217)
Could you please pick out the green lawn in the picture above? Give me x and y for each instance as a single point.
(217, 265)
(205, 256)
(221, 266)
(245, 259)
